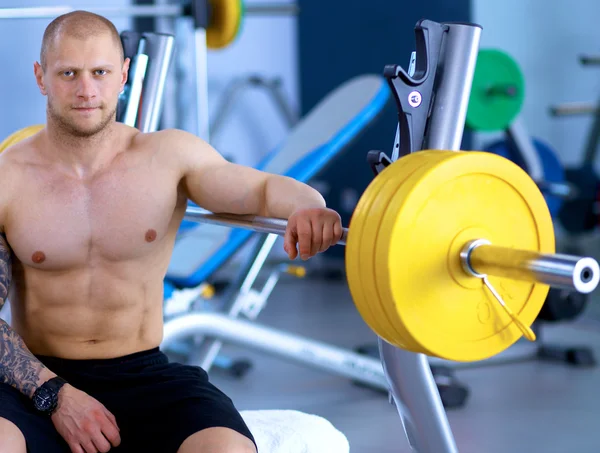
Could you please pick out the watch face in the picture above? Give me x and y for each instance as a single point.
(43, 400)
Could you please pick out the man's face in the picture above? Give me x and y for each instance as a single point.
(82, 80)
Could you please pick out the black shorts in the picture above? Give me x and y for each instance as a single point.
(157, 404)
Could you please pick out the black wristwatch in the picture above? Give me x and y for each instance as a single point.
(45, 398)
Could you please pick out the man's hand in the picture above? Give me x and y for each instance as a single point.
(85, 424)
(313, 230)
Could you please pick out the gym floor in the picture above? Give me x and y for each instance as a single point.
(528, 406)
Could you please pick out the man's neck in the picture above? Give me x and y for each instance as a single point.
(83, 156)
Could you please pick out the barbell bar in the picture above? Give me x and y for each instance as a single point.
(48, 12)
(557, 270)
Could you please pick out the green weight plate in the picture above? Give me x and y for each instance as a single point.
(497, 93)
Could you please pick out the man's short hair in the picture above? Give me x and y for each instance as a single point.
(78, 24)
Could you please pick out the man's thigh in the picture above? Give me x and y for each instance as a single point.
(38, 430)
(167, 404)
(217, 440)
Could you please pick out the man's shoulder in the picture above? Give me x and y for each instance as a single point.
(174, 144)
(170, 136)
(17, 154)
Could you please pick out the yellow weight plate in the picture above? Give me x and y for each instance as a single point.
(225, 22)
(379, 227)
(376, 226)
(364, 306)
(19, 135)
(370, 229)
(460, 198)
(365, 298)
(367, 305)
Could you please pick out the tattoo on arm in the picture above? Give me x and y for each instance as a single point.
(18, 366)
(5, 269)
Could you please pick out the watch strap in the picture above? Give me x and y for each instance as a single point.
(51, 386)
(54, 384)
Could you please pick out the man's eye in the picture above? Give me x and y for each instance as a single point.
(100, 72)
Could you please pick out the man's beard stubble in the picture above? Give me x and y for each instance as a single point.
(72, 129)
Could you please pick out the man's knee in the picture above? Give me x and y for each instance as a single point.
(11, 438)
(217, 440)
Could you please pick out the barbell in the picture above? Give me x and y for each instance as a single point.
(448, 253)
(223, 17)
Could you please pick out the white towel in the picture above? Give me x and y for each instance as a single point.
(285, 431)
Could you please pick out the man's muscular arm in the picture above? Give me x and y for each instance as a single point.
(18, 366)
(224, 187)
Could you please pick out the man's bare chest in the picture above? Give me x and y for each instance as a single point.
(57, 222)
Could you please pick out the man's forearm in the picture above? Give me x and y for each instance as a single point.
(18, 366)
(283, 196)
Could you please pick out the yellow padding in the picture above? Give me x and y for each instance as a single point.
(19, 135)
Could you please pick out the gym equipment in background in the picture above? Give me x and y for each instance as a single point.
(272, 87)
(407, 330)
(217, 23)
(315, 142)
(476, 264)
(580, 215)
(496, 101)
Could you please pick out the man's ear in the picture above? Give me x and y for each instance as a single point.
(125, 73)
(39, 77)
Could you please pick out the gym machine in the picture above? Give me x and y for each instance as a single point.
(425, 122)
(496, 99)
(581, 215)
(272, 87)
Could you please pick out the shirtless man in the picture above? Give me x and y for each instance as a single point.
(90, 208)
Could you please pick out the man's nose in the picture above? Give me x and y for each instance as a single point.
(86, 88)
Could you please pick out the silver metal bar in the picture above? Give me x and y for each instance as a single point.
(589, 60)
(159, 48)
(294, 348)
(417, 400)
(518, 134)
(452, 96)
(255, 223)
(201, 62)
(411, 381)
(272, 9)
(49, 12)
(560, 271)
(574, 108)
(138, 73)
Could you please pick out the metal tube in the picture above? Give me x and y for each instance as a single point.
(452, 95)
(574, 108)
(137, 75)
(417, 400)
(159, 48)
(524, 143)
(256, 223)
(560, 271)
(201, 63)
(50, 12)
(589, 60)
(294, 348)
(272, 9)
